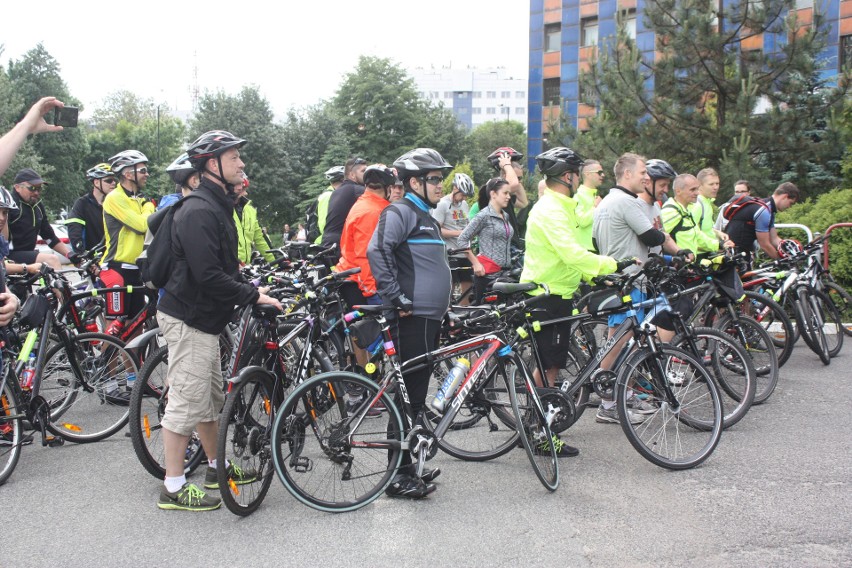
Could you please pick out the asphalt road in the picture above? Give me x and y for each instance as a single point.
(775, 493)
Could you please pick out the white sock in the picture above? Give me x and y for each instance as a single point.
(173, 484)
(212, 463)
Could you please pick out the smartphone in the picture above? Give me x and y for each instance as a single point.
(66, 116)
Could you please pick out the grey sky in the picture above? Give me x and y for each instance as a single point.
(295, 52)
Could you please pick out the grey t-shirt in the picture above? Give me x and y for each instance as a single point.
(619, 220)
(452, 216)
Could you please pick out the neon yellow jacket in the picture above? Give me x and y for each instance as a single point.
(250, 234)
(322, 211)
(585, 198)
(703, 213)
(125, 224)
(688, 235)
(554, 255)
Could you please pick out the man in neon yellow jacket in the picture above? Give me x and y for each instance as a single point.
(587, 199)
(704, 208)
(680, 224)
(249, 232)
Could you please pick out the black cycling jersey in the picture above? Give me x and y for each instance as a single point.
(86, 224)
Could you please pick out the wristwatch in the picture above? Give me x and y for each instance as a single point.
(25, 267)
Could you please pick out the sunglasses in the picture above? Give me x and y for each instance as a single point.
(111, 181)
(495, 183)
(34, 188)
(143, 171)
(600, 173)
(741, 192)
(358, 161)
(434, 180)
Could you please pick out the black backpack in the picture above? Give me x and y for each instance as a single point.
(312, 221)
(740, 203)
(157, 262)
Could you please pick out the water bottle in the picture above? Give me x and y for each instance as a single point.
(29, 373)
(131, 380)
(451, 383)
(116, 326)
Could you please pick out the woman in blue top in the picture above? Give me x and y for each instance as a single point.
(494, 229)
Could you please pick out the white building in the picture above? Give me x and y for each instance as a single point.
(475, 95)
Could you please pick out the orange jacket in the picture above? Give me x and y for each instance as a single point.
(359, 227)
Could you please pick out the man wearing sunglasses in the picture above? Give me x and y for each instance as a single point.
(30, 221)
(86, 224)
(587, 199)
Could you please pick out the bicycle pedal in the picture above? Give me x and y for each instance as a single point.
(55, 441)
(303, 464)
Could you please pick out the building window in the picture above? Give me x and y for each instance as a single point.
(491, 94)
(802, 4)
(589, 32)
(845, 51)
(477, 94)
(462, 94)
(630, 24)
(519, 110)
(477, 110)
(448, 95)
(505, 94)
(520, 94)
(461, 110)
(491, 110)
(551, 92)
(552, 37)
(435, 94)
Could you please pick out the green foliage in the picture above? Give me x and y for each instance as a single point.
(486, 138)
(819, 214)
(695, 101)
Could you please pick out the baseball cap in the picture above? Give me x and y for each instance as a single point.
(30, 176)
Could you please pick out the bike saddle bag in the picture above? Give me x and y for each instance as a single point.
(604, 301)
(365, 332)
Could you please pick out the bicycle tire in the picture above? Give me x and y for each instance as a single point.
(729, 365)
(147, 405)
(97, 408)
(673, 439)
(832, 322)
(775, 320)
(842, 300)
(535, 434)
(758, 344)
(811, 324)
(11, 429)
(312, 437)
(484, 428)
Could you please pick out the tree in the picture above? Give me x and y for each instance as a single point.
(487, 137)
(249, 116)
(60, 155)
(702, 99)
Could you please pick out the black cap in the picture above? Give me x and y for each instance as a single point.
(30, 176)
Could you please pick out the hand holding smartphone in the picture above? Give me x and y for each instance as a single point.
(65, 116)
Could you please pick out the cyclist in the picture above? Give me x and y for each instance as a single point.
(452, 215)
(30, 221)
(185, 178)
(507, 161)
(755, 221)
(587, 199)
(703, 208)
(409, 262)
(196, 307)
(495, 233)
(627, 225)
(86, 224)
(249, 232)
(341, 201)
(126, 214)
(677, 220)
(741, 189)
(555, 256)
(335, 176)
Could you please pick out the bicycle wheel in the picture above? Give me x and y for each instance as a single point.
(536, 436)
(484, 427)
(832, 325)
(328, 459)
(565, 379)
(244, 436)
(147, 406)
(685, 430)
(728, 364)
(10, 426)
(768, 313)
(758, 345)
(94, 405)
(842, 300)
(810, 321)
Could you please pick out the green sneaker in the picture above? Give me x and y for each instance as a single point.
(236, 474)
(563, 450)
(188, 498)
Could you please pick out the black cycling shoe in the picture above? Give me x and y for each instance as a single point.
(430, 474)
(409, 487)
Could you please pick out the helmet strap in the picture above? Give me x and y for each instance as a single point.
(560, 181)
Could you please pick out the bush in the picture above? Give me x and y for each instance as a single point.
(819, 214)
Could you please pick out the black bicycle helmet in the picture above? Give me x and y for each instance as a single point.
(211, 144)
(557, 161)
(494, 157)
(181, 169)
(334, 174)
(379, 174)
(464, 184)
(126, 159)
(6, 200)
(419, 162)
(660, 169)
